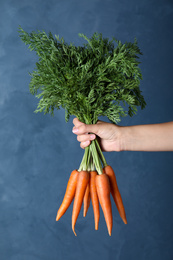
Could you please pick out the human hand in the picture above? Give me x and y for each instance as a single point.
(153, 137)
(108, 133)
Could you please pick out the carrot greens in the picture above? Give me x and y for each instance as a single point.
(99, 78)
(87, 81)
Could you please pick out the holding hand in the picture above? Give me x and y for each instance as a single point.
(109, 135)
(151, 137)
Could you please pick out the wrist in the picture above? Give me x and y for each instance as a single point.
(126, 137)
(121, 140)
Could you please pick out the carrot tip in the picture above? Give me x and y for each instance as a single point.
(58, 216)
(74, 232)
(124, 220)
(96, 226)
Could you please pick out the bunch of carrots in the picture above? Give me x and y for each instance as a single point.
(91, 182)
(88, 81)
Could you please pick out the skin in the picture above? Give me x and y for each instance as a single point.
(149, 137)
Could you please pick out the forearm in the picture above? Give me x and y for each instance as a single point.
(154, 137)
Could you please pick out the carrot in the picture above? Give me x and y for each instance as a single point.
(86, 200)
(103, 191)
(115, 192)
(69, 194)
(82, 182)
(94, 198)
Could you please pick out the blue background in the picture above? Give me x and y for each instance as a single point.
(38, 152)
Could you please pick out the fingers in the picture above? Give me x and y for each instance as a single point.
(76, 122)
(86, 137)
(77, 125)
(83, 145)
(82, 130)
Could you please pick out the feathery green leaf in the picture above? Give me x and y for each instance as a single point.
(87, 81)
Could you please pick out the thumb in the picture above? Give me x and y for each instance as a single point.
(85, 129)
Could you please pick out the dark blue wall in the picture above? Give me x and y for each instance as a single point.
(38, 152)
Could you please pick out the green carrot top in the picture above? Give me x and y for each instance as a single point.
(100, 78)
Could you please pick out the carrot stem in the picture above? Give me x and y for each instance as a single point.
(100, 153)
(96, 158)
(92, 166)
(83, 165)
(89, 160)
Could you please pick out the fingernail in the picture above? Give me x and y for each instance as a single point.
(92, 137)
(86, 143)
(75, 130)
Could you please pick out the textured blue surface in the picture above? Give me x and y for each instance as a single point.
(38, 152)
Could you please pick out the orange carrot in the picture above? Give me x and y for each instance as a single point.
(94, 198)
(103, 191)
(115, 192)
(82, 182)
(86, 200)
(69, 194)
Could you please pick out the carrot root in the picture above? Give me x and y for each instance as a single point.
(103, 191)
(94, 198)
(86, 200)
(82, 182)
(115, 192)
(84, 186)
(69, 194)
